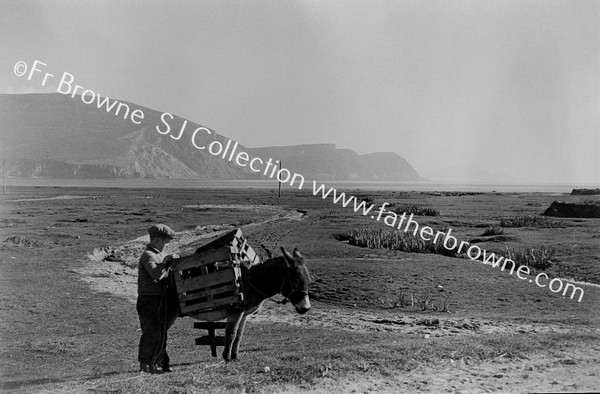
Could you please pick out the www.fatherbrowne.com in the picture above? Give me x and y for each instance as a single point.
(450, 242)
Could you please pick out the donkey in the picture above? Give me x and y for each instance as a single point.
(287, 275)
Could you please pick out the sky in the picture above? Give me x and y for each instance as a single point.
(466, 91)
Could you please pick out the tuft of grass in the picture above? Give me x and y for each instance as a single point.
(377, 238)
(591, 202)
(424, 303)
(529, 221)
(492, 230)
(540, 258)
(23, 241)
(365, 198)
(452, 194)
(416, 209)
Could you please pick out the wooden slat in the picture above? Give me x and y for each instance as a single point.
(238, 274)
(207, 340)
(222, 241)
(208, 325)
(199, 303)
(229, 287)
(190, 309)
(252, 258)
(199, 259)
(204, 281)
(221, 265)
(237, 242)
(248, 254)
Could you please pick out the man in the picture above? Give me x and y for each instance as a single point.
(157, 303)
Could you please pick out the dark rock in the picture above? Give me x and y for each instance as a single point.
(113, 257)
(572, 210)
(568, 361)
(342, 237)
(428, 322)
(585, 192)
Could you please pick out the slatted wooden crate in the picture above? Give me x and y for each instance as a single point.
(210, 280)
(241, 249)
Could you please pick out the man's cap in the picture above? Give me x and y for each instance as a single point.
(161, 230)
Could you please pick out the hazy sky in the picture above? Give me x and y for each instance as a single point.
(464, 90)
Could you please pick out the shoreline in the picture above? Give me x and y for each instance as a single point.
(412, 186)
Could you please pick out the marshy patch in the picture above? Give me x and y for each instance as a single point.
(365, 198)
(415, 209)
(529, 221)
(494, 238)
(452, 193)
(377, 238)
(540, 258)
(492, 230)
(459, 223)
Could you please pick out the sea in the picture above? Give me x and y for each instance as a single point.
(423, 186)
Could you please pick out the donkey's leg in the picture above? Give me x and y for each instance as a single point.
(234, 317)
(238, 338)
(240, 331)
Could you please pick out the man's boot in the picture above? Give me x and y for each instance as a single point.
(149, 368)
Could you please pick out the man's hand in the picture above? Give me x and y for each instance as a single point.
(168, 261)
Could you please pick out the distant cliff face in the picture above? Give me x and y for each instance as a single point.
(56, 136)
(325, 162)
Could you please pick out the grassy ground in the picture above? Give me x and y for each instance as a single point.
(501, 334)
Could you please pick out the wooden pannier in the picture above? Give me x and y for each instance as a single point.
(209, 281)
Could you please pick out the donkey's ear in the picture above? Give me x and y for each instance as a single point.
(288, 258)
(297, 254)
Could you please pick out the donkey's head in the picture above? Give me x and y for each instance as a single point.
(296, 285)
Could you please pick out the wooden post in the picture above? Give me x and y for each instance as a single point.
(279, 193)
(4, 174)
(211, 339)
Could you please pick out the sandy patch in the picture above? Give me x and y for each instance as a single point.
(533, 375)
(65, 197)
(114, 268)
